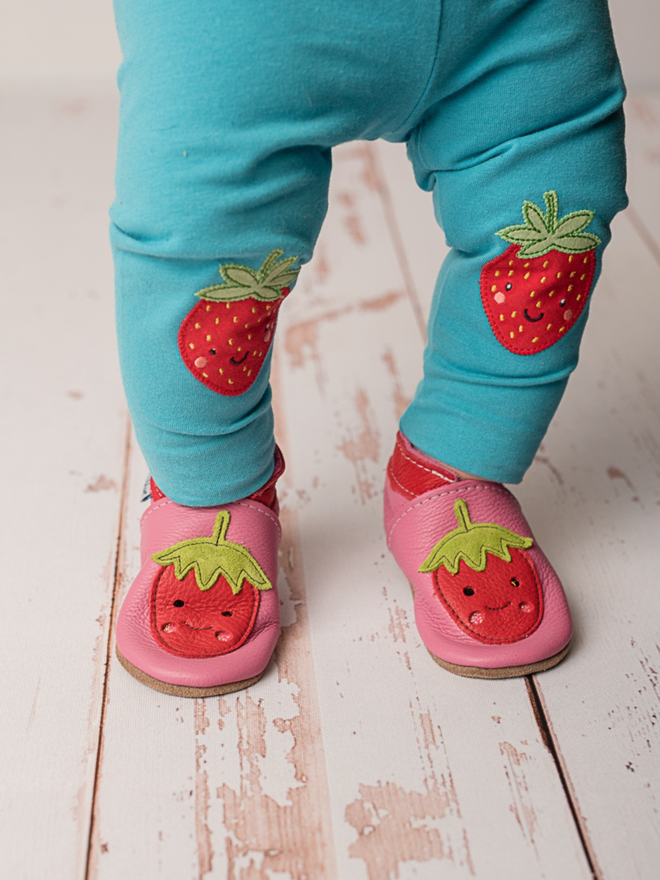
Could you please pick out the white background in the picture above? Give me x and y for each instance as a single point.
(44, 40)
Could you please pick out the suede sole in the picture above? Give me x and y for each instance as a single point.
(502, 671)
(177, 690)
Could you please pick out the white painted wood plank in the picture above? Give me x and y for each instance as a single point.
(643, 147)
(595, 497)
(427, 772)
(63, 441)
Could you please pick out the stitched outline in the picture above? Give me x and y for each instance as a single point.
(418, 464)
(269, 514)
(461, 487)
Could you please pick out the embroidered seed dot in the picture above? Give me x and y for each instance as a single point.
(244, 369)
(198, 326)
(511, 272)
(526, 265)
(231, 381)
(572, 274)
(231, 341)
(552, 293)
(254, 354)
(246, 326)
(235, 319)
(570, 259)
(561, 329)
(543, 280)
(217, 320)
(206, 375)
(520, 329)
(510, 262)
(538, 304)
(585, 259)
(526, 275)
(476, 617)
(512, 335)
(513, 314)
(220, 371)
(261, 354)
(267, 308)
(570, 287)
(499, 298)
(191, 344)
(578, 297)
(497, 273)
(546, 264)
(525, 607)
(208, 337)
(493, 288)
(201, 362)
(532, 294)
(249, 372)
(558, 274)
(582, 277)
(536, 339)
(501, 317)
(548, 327)
(249, 336)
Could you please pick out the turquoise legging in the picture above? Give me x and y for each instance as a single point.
(229, 113)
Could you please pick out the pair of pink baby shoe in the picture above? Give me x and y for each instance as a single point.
(203, 615)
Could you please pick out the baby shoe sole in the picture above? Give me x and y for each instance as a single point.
(504, 671)
(176, 690)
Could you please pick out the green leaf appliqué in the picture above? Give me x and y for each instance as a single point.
(472, 542)
(242, 282)
(212, 557)
(543, 231)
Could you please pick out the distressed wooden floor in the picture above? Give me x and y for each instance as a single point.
(356, 756)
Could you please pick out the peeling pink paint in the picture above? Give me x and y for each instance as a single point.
(521, 805)
(363, 447)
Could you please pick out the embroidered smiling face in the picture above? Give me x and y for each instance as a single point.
(225, 338)
(205, 596)
(536, 290)
(485, 579)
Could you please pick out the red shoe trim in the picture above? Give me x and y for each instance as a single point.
(411, 474)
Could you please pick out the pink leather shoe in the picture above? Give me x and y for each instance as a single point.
(487, 602)
(203, 616)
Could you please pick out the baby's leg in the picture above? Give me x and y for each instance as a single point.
(530, 104)
(522, 146)
(212, 170)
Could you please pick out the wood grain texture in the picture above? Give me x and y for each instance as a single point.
(63, 439)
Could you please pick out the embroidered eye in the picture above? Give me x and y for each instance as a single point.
(178, 603)
(468, 591)
(508, 285)
(226, 613)
(515, 582)
(562, 302)
(211, 351)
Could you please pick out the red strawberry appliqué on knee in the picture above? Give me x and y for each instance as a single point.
(486, 580)
(225, 338)
(536, 290)
(205, 597)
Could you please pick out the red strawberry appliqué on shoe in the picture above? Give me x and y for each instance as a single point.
(536, 290)
(486, 580)
(205, 598)
(223, 341)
